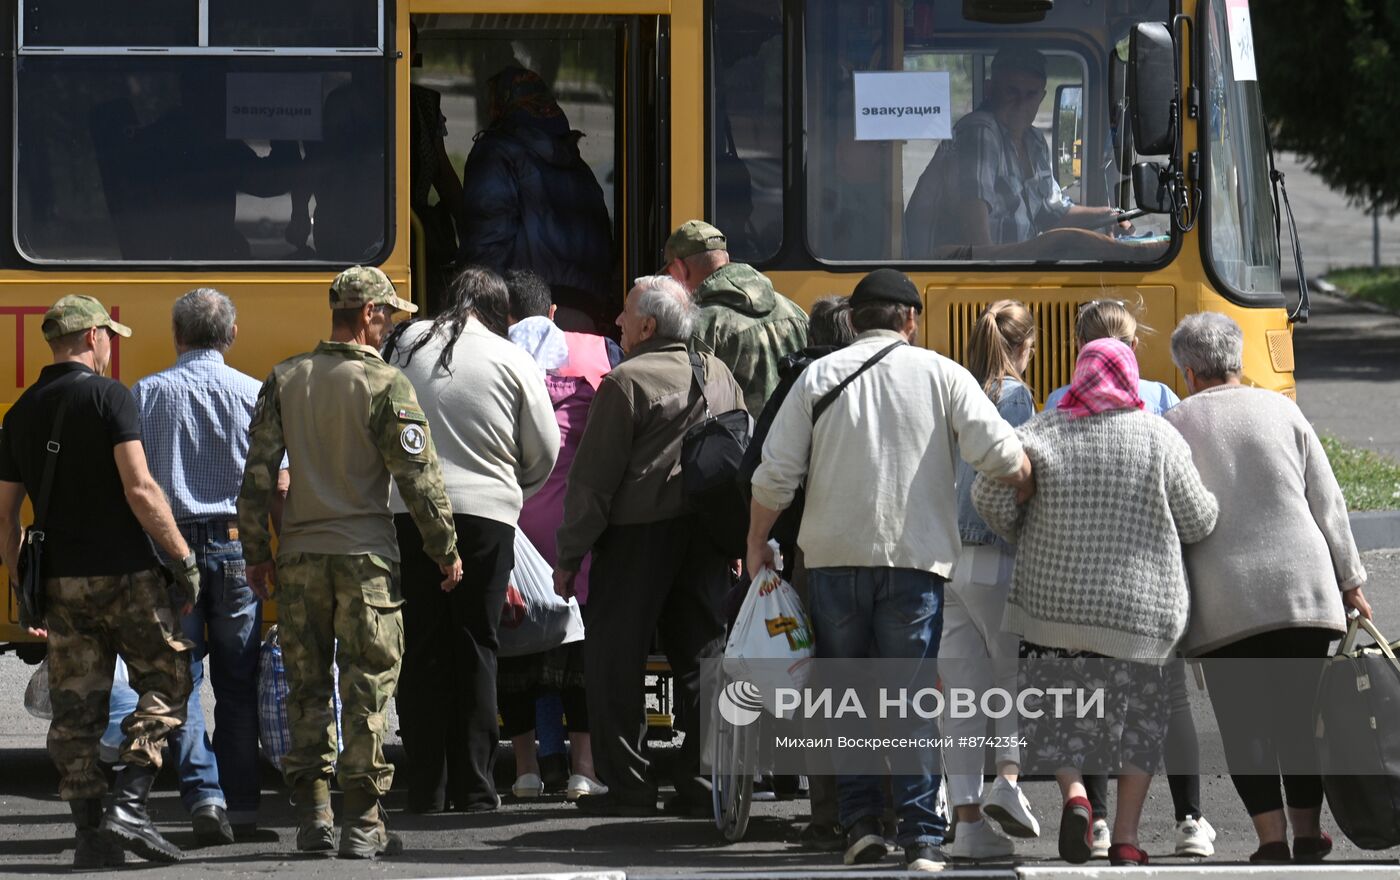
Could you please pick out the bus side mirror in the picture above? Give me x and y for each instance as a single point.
(1152, 87)
(1150, 190)
(1066, 136)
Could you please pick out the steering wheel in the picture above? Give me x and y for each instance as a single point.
(1119, 218)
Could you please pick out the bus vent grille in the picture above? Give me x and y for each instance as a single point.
(1052, 364)
(1280, 350)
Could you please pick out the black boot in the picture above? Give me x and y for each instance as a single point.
(93, 850)
(127, 822)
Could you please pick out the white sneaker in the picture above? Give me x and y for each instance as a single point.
(528, 785)
(1195, 837)
(1102, 840)
(977, 840)
(581, 786)
(1007, 804)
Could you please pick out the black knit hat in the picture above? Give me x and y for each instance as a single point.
(886, 285)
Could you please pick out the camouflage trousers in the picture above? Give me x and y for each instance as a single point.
(91, 620)
(354, 600)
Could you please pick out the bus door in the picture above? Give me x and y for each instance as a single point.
(605, 77)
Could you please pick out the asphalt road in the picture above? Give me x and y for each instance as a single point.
(549, 835)
(1334, 232)
(1348, 371)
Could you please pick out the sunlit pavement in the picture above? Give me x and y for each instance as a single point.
(549, 837)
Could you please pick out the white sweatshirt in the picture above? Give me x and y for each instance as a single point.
(880, 466)
(491, 419)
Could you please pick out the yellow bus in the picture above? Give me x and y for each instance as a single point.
(259, 146)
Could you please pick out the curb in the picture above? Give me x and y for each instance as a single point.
(1376, 529)
(1181, 872)
(553, 875)
(1327, 288)
(1009, 872)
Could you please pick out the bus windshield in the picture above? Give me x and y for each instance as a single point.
(931, 138)
(1241, 239)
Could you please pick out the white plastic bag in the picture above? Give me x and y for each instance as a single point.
(534, 618)
(772, 626)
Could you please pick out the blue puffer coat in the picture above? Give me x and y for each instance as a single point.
(533, 203)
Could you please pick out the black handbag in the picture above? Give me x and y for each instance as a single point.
(712, 453)
(30, 567)
(1358, 726)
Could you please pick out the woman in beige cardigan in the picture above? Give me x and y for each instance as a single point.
(1271, 580)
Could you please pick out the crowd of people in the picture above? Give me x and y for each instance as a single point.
(924, 509)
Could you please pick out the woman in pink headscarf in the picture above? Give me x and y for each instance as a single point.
(1098, 582)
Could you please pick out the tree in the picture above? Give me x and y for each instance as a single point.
(1329, 71)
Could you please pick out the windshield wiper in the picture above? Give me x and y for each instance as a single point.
(1304, 309)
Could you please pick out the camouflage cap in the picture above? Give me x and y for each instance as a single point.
(366, 285)
(77, 312)
(694, 237)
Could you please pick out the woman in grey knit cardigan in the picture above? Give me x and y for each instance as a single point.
(1271, 580)
(1099, 579)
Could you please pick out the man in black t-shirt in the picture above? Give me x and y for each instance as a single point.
(106, 592)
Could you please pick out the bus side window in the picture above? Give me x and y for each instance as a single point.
(746, 131)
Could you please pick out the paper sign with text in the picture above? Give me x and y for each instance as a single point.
(903, 106)
(274, 107)
(1241, 40)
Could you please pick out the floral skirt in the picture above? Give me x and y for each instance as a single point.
(1125, 723)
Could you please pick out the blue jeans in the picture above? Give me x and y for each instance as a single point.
(885, 613)
(226, 771)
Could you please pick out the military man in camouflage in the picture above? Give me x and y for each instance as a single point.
(106, 591)
(347, 422)
(743, 321)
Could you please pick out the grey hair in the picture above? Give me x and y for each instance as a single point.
(1209, 344)
(204, 318)
(666, 300)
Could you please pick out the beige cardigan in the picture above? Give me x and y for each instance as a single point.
(1282, 551)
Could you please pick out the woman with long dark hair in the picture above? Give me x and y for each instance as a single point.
(497, 441)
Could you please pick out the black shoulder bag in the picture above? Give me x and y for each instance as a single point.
(33, 603)
(712, 453)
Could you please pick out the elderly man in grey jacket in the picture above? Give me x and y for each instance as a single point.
(879, 466)
(652, 564)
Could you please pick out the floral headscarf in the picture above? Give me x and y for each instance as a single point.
(1105, 378)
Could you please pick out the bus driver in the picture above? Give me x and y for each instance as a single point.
(993, 183)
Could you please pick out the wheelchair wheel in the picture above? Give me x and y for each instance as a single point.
(735, 760)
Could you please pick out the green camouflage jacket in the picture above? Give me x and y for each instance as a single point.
(749, 326)
(347, 421)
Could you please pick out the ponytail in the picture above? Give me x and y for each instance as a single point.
(1001, 331)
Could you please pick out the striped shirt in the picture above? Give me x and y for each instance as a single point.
(194, 425)
(1019, 207)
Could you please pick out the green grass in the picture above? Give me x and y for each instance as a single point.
(1377, 285)
(1370, 481)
